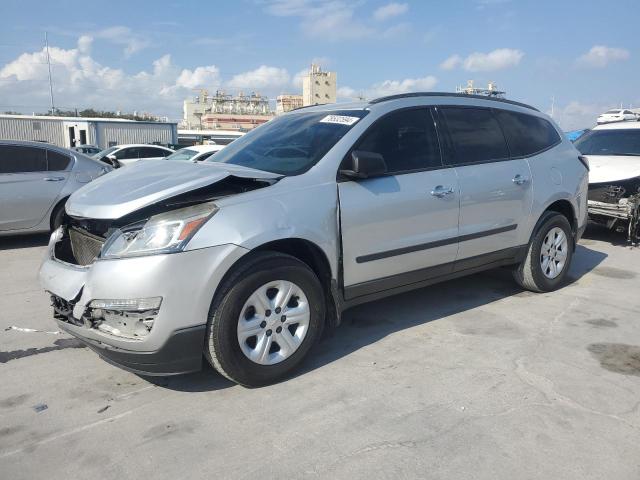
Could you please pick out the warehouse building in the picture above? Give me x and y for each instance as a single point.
(71, 131)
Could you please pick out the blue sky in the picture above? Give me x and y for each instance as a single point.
(149, 56)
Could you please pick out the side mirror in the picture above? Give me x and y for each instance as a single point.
(112, 160)
(365, 165)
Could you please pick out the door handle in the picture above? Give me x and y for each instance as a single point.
(53, 179)
(441, 191)
(519, 180)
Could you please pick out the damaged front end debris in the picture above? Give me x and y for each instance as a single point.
(616, 205)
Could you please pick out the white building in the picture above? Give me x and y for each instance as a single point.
(319, 87)
(71, 131)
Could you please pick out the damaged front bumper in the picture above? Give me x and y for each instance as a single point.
(616, 205)
(173, 341)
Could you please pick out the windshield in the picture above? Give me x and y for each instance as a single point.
(612, 111)
(184, 154)
(104, 153)
(610, 142)
(291, 144)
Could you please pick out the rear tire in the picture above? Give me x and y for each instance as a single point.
(245, 324)
(549, 255)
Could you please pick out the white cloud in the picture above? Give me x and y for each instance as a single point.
(120, 35)
(396, 30)
(80, 81)
(577, 115)
(454, 61)
(330, 19)
(389, 87)
(600, 56)
(263, 77)
(199, 77)
(390, 10)
(498, 59)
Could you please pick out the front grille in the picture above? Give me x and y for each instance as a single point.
(85, 246)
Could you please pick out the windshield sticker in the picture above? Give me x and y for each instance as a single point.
(339, 119)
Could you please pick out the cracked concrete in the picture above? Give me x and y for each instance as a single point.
(470, 379)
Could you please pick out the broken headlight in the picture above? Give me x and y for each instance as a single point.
(167, 232)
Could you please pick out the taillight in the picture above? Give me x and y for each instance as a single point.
(584, 161)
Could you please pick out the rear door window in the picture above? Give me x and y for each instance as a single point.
(526, 134)
(18, 159)
(475, 135)
(127, 153)
(150, 152)
(57, 161)
(406, 139)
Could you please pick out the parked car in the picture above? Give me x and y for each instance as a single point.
(249, 257)
(617, 115)
(86, 149)
(613, 152)
(127, 154)
(195, 153)
(35, 180)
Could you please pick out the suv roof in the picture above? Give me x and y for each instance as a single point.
(447, 94)
(364, 104)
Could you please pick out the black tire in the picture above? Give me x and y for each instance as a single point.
(529, 274)
(222, 347)
(56, 215)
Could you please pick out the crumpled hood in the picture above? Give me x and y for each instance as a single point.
(126, 190)
(612, 168)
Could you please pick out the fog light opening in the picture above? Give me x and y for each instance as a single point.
(128, 318)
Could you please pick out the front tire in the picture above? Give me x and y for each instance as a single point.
(264, 319)
(549, 255)
(57, 215)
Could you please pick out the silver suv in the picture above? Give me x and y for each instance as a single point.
(247, 258)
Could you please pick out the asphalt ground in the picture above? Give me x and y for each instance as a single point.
(473, 378)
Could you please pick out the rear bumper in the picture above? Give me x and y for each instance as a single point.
(181, 352)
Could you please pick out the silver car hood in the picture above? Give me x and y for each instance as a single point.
(126, 190)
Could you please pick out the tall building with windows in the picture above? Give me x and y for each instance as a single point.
(319, 87)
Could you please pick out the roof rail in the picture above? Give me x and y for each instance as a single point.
(449, 94)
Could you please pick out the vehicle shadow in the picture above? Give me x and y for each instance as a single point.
(367, 324)
(16, 242)
(603, 234)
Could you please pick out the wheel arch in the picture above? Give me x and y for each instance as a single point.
(315, 258)
(58, 204)
(565, 208)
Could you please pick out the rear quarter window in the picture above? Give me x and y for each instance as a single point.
(526, 134)
(57, 161)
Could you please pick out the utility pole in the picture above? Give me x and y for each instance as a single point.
(46, 42)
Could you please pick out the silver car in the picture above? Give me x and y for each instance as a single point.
(35, 181)
(248, 257)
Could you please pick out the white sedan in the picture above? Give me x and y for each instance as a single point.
(121, 155)
(195, 153)
(617, 115)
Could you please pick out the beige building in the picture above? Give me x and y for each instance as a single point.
(319, 87)
(230, 121)
(286, 103)
(244, 111)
